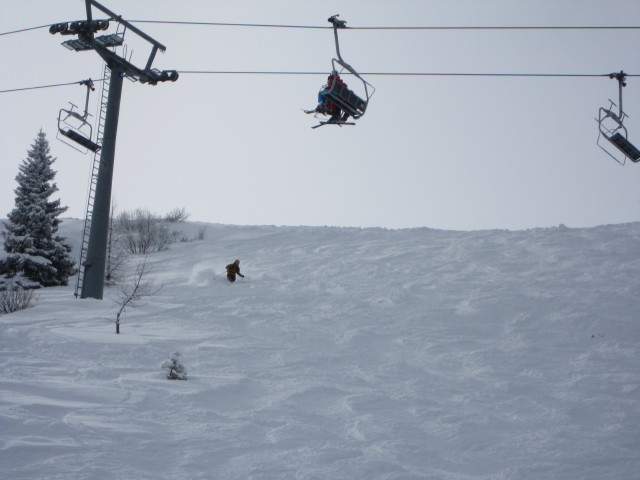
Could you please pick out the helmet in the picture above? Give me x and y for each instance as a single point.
(237, 262)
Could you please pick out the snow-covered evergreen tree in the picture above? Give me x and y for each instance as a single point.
(36, 255)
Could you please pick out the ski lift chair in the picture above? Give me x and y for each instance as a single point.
(74, 129)
(341, 95)
(351, 104)
(611, 128)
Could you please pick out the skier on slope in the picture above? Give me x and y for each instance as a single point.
(232, 270)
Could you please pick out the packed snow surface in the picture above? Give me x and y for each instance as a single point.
(343, 354)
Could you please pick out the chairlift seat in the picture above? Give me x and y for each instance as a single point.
(78, 138)
(347, 100)
(625, 146)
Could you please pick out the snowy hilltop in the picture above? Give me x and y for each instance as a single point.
(344, 353)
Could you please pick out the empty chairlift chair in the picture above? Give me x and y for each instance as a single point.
(612, 132)
(73, 127)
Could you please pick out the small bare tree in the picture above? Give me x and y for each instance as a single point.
(132, 292)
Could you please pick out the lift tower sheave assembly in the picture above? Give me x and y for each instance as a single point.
(94, 263)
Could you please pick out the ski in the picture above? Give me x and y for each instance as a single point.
(333, 123)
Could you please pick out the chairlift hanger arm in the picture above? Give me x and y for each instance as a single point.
(336, 25)
(621, 77)
(89, 84)
(343, 24)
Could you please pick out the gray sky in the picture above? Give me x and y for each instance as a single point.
(438, 151)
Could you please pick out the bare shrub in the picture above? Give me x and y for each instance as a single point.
(155, 238)
(14, 298)
(176, 215)
(139, 220)
(199, 236)
(143, 232)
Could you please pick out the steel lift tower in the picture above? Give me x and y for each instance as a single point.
(93, 264)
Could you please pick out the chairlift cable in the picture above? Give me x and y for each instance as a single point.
(388, 74)
(45, 86)
(318, 27)
(24, 30)
(500, 28)
(468, 27)
(399, 74)
(224, 24)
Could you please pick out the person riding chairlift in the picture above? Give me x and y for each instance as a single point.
(326, 106)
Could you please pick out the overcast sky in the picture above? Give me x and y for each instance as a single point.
(447, 152)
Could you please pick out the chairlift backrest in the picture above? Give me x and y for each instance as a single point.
(625, 146)
(347, 100)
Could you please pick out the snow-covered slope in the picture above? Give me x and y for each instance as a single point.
(343, 354)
